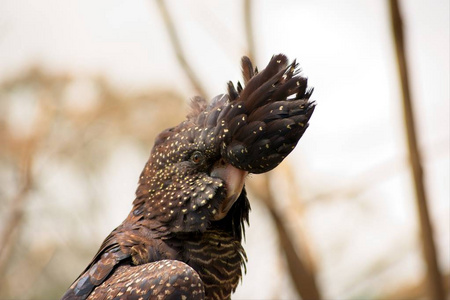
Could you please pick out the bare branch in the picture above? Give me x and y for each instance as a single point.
(300, 271)
(435, 286)
(181, 56)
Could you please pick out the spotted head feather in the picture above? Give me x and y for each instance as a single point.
(253, 129)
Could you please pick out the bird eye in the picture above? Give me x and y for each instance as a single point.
(197, 157)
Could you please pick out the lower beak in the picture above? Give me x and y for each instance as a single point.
(234, 182)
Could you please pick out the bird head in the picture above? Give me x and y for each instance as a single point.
(197, 169)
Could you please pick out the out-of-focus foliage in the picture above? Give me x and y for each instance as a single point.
(57, 134)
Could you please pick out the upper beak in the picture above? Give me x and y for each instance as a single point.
(234, 182)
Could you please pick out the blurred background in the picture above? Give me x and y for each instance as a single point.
(86, 85)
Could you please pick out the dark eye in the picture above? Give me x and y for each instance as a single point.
(197, 157)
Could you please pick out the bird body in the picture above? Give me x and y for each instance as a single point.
(182, 239)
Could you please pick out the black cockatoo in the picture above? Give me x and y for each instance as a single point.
(182, 239)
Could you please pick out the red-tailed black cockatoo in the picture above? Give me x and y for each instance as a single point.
(182, 239)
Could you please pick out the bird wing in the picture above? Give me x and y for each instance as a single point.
(101, 266)
(170, 279)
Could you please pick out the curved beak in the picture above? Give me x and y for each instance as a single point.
(234, 182)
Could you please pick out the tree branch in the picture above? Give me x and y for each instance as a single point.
(435, 286)
(176, 45)
(300, 271)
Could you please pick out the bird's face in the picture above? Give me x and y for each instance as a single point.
(186, 181)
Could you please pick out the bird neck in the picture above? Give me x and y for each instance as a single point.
(235, 220)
